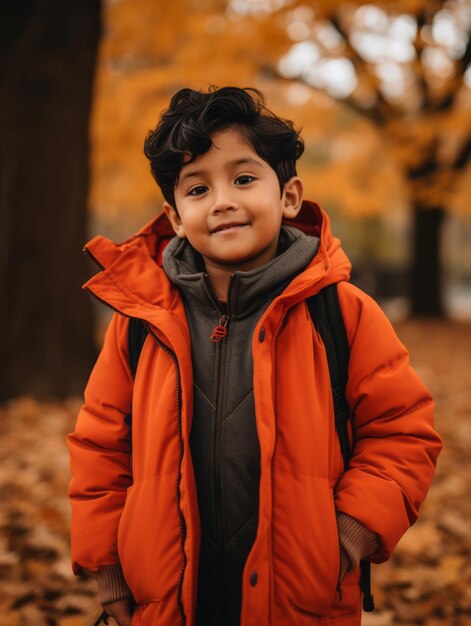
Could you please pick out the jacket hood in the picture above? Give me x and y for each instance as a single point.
(132, 278)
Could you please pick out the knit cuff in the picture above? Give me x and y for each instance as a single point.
(111, 584)
(357, 541)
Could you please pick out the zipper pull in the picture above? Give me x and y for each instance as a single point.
(221, 329)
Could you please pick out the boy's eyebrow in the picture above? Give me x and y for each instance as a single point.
(243, 161)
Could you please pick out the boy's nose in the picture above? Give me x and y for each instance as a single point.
(223, 199)
(223, 202)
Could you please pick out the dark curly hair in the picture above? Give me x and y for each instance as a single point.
(185, 130)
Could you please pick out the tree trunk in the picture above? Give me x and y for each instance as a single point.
(426, 272)
(47, 64)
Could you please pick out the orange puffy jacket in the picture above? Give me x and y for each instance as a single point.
(136, 504)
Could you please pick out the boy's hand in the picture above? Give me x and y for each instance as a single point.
(120, 610)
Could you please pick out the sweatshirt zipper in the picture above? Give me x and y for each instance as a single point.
(217, 443)
(223, 328)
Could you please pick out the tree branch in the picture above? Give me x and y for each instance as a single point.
(382, 109)
(418, 67)
(456, 82)
(372, 114)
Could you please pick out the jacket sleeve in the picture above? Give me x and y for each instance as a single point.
(100, 455)
(395, 446)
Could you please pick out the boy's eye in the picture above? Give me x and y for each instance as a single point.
(197, 191)
(245, 179)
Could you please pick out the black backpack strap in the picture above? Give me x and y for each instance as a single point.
(365, 584)
(327, 318)
(326, 315)
(137, 333)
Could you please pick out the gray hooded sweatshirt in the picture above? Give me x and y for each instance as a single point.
(224, 442)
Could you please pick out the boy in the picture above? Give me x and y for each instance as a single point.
(231, 506)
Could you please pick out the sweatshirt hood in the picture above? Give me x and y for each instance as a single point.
(185, 268)
(132, 279)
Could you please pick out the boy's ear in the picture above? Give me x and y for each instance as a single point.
(174, 219)
(292, 198)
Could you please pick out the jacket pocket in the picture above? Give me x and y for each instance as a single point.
(306, 554)
(149, 540)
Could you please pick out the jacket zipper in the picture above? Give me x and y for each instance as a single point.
(217, 443)
(181, 518)
(223, 324)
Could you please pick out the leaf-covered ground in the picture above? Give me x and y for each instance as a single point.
(427, 582)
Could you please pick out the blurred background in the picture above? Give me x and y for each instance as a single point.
(382, 92)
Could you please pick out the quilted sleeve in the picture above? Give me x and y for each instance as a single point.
(100, 455)
(395, 446)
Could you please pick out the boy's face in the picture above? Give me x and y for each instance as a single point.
(229, 205)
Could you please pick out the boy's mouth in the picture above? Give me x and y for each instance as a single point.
(228, 226)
